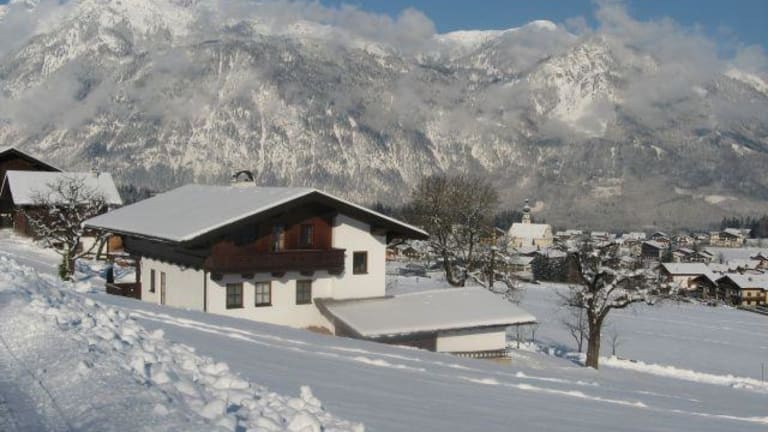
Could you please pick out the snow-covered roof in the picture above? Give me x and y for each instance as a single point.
(529, 230)
(655, 244)
(427, 311)
(521, 260)
(687, 268)
(737, 232)
(190, 211)
(552, 253)
(4, 150)
(25, 186)
(743, 264)
(748, 281)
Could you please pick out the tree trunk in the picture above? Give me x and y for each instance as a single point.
(593, 344)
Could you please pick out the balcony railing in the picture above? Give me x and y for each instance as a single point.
(131, 289)
(302, 260)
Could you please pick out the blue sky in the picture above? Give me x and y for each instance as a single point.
(730, 21)
(744, 21)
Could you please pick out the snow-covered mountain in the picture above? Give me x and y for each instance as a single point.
(599, 127)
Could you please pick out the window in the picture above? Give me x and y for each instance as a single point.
(303, 292)
(152, 280)
(263, 294)
(278, 237)
(234, 295)
(360, 263)
(306, 236)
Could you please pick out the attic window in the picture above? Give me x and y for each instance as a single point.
(307, 236)
(278, 237)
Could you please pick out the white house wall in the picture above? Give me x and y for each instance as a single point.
(355, 236)
(183, 286)
(284, 310)
(471, 340)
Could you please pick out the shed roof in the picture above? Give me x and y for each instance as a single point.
(427, 311)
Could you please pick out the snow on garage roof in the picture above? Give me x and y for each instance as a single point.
(26, 185)
(191, 211)
(426, 311)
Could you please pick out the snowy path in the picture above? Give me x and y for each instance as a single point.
(68, 363)
(18, 411)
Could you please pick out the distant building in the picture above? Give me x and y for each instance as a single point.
(729, 237)
(652, 250)
(684, 275)
(744, 290)
(13, 159)
(525, 233)
(20, 188)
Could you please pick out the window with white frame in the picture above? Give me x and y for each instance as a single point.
(263, 294)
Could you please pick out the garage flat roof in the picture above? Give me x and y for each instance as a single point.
(427, 311)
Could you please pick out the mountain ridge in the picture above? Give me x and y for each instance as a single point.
(602, 132)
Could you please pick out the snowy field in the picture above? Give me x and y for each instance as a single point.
(155, 368)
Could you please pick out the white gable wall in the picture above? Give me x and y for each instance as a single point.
(471, 340)
(355, 236)
(183, 286)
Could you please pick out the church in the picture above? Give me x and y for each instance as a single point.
(528, 234)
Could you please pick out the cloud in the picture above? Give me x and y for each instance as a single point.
(665, 73)
(20, 21)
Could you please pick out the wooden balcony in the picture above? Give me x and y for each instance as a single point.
(130, 289)
(301, 260)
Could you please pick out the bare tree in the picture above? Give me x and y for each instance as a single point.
(604, 286)
(457, 211)
(615, 340)
(576, 324)
(57, 215)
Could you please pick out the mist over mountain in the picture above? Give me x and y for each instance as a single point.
(625, 125)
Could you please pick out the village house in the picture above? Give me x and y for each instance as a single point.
(744, 290)
(21, 190)
(13, 159)
(297, 257)
(652, 250)
(686, 275)
(729, 237)
(526, 233)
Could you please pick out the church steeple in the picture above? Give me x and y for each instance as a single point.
(526, 213)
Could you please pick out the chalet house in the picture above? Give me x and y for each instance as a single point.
(684, 275)
(730, 237)
(652, 250)
(289, 256)
(13, 159)
(20, 189)
(525, 233)
(744, 290)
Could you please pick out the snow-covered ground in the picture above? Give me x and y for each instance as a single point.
(392, 388)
